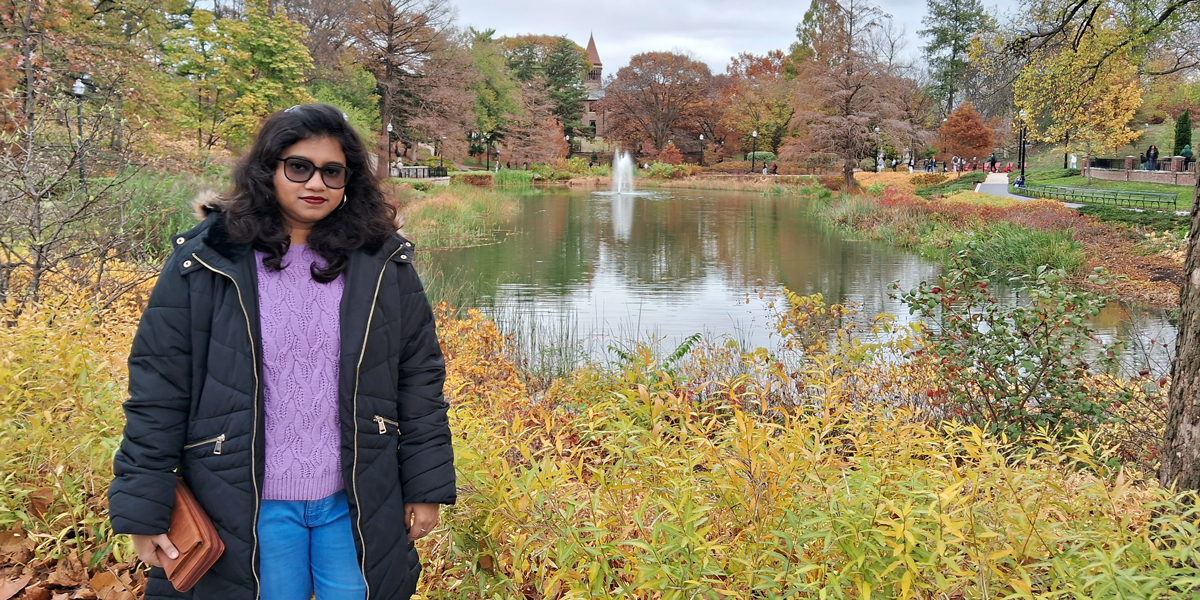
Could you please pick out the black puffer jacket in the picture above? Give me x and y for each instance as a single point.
(195, 377)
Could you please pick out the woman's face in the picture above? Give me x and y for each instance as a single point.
(303, 204)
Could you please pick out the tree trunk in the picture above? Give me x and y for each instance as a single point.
(848, 173)
(27, 61)
(1181, 444)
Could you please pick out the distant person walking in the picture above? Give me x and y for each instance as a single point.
(1152, 158)
(992, 162)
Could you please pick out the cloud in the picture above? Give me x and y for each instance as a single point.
(712, 30)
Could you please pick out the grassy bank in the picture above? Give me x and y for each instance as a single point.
(1003, 235)
(710, 473)
(1072, 178)
(457, 215)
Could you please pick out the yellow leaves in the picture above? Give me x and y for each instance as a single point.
(1086, 91)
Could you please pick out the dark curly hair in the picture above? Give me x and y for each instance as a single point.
(253, 215)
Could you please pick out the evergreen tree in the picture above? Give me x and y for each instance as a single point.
(949, 26)
(565, 70)
(1183, 132)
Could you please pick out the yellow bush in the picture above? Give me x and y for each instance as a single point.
(809, 473)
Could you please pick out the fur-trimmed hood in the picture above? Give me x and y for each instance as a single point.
(207, 202)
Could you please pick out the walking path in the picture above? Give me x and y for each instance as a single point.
(996, 184)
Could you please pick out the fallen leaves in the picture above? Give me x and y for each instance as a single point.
(8, 589)
(65, 578)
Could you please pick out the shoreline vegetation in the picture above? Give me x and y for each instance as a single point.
(858, 458)
(824, 469)
(1142, 251)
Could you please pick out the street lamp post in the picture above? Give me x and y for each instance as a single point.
(488, 158)
(389, 152)
(441, 150)
(879, 154)
(754, 149)
(702, 150)
(568, 139)
(79, 89)
(1021, 149)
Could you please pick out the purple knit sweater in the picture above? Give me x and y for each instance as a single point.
(301, 342)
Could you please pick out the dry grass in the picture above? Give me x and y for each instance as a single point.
(900, 181)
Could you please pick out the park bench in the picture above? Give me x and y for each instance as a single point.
(1126, 198)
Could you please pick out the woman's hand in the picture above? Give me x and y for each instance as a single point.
(421, 519)
(147, 544)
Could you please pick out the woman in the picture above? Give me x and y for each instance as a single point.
(1152, 158)
(287, 368)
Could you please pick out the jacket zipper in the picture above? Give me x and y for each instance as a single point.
(357, 375)
(383, 423)
(220, 439)
(254, 429)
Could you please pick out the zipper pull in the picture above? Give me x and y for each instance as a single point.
(217, 448)
(382, 426)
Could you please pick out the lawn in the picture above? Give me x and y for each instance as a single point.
(1184, 192)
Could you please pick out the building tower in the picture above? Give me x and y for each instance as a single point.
(594, 83)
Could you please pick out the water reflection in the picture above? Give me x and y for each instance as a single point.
(592, 267)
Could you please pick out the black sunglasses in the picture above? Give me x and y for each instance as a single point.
(300, 170)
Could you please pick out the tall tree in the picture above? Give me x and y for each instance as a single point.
(498, 96)
(843, 91)
(242, 70)
(439, 105)
(556, 64)
(949, 26)
(808, 31)
(965, 135)
(394, 38)
(1065, 90)
(535, 136)
(654, 94)
(566, 67)
(761, 97)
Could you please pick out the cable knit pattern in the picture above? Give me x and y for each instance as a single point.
(301, 342)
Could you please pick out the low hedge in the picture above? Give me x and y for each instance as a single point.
(475, 178)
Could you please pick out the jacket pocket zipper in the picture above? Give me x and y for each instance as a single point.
(383, 423)
(217, 440)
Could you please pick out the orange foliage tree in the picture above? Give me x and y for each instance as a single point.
(965, 135)
(670, 155)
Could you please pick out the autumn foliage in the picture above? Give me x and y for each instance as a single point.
(965, 135)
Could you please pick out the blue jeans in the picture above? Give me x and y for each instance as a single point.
(306, 546)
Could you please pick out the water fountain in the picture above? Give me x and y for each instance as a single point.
(622, 173)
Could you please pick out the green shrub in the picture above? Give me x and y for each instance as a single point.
(1018, 369)
(761, 156)
(661, 170)
(876, 188)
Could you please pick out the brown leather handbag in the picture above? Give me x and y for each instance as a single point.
(194, 536)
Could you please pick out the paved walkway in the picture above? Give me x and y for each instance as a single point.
(996, 184)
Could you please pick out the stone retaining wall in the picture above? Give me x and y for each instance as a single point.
(1171, 177)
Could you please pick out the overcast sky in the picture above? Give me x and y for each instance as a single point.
(712, 30)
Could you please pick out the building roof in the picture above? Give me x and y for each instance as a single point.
(592, 54)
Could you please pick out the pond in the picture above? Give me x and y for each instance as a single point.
(581, 271)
